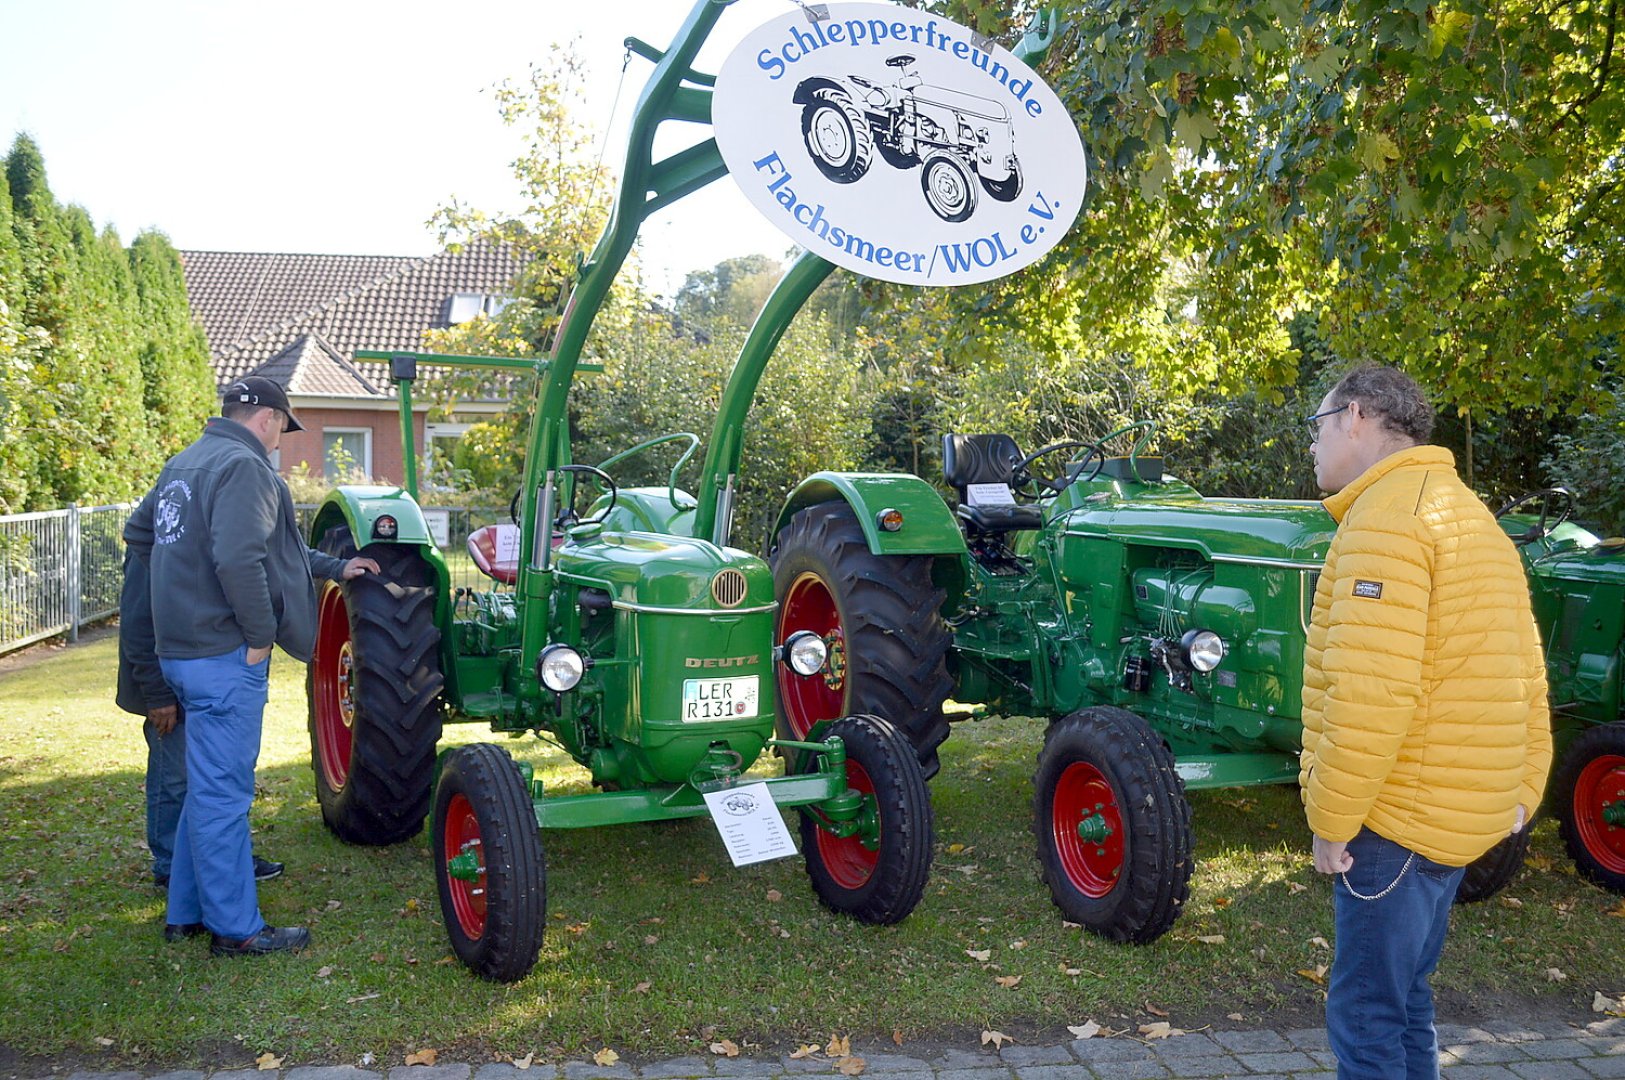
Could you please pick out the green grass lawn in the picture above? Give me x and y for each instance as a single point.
(655, 944)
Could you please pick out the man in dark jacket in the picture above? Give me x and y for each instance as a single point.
(143, 691)
(230, 576)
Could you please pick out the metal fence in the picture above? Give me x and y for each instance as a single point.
(62, 569)
(59, 569)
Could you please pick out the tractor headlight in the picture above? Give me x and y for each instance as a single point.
(560, 668)
(804, 651)
(1201, 650)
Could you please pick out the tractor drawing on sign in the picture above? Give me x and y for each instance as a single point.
(1160, 632)
(621, 623)
(958, 141)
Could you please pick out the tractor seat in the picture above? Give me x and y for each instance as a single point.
(495, 550)
(981, 469)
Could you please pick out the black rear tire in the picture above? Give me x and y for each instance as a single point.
(881, 884)
(496, 912)
(1115, 844)
(1494, 870)
(837, 136)
(880, 617)
(373, 689)
(1588, 788)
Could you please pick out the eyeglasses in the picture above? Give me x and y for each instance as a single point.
(1314, 421)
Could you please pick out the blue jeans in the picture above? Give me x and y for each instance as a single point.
(211, 879)
(166, 790)
(1379, 1007)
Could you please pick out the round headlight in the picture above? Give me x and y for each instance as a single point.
(560, 668)
(1201, 649)
(805, 653)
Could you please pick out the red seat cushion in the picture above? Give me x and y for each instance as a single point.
(495, 550)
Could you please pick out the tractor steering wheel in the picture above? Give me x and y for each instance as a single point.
(1024, 482)
(567, 516)
(1560, 499)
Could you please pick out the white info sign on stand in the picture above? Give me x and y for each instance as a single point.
(751, 826)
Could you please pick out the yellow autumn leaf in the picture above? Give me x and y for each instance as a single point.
(955, 849)
(838, 1047)
(1316, 974)
(1210, 939)
(997, 1038)
(605, 1057)
(268, 1061)
(1009, 982)
(804, 1050)
(1159, 1030)
(851, 1066)
(979, 955)
(725, 1048)
(1320, 942)
(422, 1057)
(1293, 888)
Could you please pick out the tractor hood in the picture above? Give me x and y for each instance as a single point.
(1600, 563)
(648, 570)
(1225, 530)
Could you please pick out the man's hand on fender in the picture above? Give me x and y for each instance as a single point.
(357, 566)
(1332, 858)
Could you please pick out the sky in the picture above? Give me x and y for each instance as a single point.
(333, 127)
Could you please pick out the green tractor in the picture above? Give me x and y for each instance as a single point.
(1162, 634)
(1577, 579)
(621, 624)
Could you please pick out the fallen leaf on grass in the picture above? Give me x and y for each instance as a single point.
(838, 1046)
(725, 1048)
(1511, 902)
(323, 972)
(1210, 939)
(1154, 1011)
(1316, 974)
(1221, 901)
(979, 955)
(642, 987)
(851, 1066)
(334, 905)
(651, 939)
(525, 1062)
(1160, 1030)
(1009, 982)
(1293, 888)
(955, 849)
(378, 958)
(897, 1036)
(702, 878)
(360, 997)
(423, 1057)
(997, 1038)
(1018, 944)
(1555, 975)
(1617, 911)
(1320, 942)
(103, 1040)
(774, 896)
(1234, 1016)
(1087, 1030)
(367, 1059)
(268, 1061)
(605, 1057)
(804, 1050)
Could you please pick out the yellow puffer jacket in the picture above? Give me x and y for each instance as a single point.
(1424, 688)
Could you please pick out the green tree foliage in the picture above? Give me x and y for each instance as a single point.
(734, 289)
(102, 370)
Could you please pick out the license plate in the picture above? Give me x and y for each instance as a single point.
(719, 699)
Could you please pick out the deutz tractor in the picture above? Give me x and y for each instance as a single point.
(621, 623)
(1160, 632)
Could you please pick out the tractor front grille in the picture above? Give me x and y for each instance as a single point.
(728, 588)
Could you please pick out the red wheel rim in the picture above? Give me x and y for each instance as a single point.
(849, 863)
(462, 836)
(1601, 786)
(334, 677)
(1084, 801)
(807, 699)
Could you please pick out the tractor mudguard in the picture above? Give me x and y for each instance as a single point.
(928, 528)
(360, 507)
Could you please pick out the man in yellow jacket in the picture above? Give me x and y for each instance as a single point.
(1426, 736)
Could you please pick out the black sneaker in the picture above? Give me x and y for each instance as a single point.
(270, 939)
(174, 932)
(265, 869)
(160, 881)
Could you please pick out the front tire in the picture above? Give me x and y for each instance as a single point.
(373, 689)
(837, 136)
(1494, 870)
(880, 620)
(949, 186)
(1114, 833)
(488, 863)
(882, 880)
(1589, 791)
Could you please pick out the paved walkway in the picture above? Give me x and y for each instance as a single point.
(1510, 1051)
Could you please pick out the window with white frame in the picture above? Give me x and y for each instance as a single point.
(465, 306)
(346, 451)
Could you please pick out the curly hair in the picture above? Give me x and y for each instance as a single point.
(1390, 395)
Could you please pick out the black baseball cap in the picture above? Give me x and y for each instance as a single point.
(258, 390)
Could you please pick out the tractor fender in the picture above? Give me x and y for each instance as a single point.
(807, 90)
(928, 528)
(360, 507)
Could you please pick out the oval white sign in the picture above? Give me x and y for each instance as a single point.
(889, 142)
